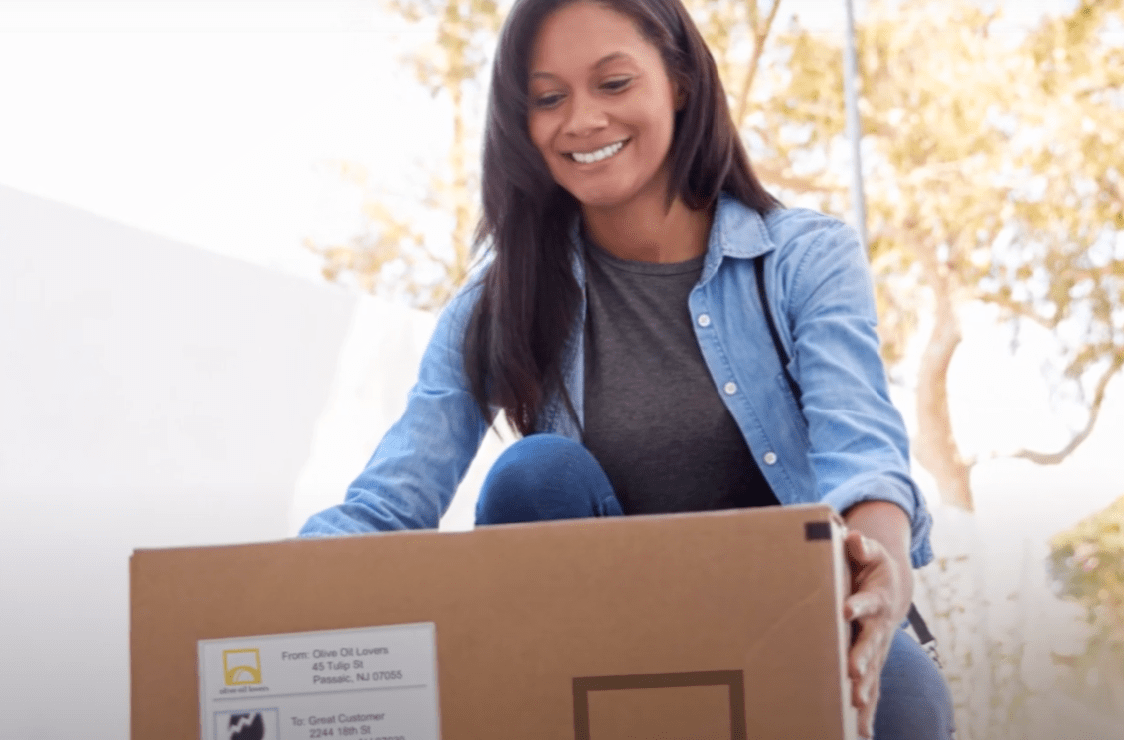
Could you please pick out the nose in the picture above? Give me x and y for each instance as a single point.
(586, 116)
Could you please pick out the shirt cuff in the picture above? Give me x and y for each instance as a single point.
(902, 493)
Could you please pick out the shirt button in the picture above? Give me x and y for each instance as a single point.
(730, 388)
(704, 320)
(770, 458)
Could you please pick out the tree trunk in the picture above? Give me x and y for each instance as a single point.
(935, 445)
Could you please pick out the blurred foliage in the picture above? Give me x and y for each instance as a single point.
(993, 173)
(736, 32)
(993, 168)
(981, 648)
(1087, 567)
(391, 253)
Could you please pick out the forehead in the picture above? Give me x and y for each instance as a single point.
(580, 35)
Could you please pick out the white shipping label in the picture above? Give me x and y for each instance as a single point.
(376, 683)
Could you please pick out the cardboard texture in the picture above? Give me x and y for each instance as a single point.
(709, 626)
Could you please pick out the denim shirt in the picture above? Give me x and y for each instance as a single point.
(844, 443)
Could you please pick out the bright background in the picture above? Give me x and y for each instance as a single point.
(213, 121)
(156, 394)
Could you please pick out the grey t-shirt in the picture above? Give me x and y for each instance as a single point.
(653, 416)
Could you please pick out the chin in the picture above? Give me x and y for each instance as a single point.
(601, 198)
(615, 193)
(599, 203)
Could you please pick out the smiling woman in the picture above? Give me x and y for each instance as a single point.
(571, 79)
(663, 333)
(605, 97)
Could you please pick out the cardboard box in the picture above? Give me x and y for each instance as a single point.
(709, 626)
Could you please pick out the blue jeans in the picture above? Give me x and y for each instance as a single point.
(569, 484)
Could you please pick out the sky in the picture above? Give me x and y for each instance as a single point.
(218, 123)
(211, 125)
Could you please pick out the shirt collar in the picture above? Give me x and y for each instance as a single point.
(738, 231)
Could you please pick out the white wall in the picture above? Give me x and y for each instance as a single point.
(157, 395)
(151, 394)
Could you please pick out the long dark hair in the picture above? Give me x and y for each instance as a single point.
(515, 339)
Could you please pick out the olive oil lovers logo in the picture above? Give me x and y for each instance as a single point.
(241, 667)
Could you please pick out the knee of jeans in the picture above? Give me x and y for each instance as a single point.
(536, 459)
(540, 462)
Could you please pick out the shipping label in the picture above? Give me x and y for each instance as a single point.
(376, 683)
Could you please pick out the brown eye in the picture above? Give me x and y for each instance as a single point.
(616, 85)
(549, 100)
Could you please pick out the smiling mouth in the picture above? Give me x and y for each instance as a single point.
(598, 155)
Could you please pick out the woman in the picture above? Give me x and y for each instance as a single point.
(623, 326)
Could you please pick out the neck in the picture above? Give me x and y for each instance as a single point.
(644, 230)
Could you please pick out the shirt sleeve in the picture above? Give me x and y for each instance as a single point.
(859, 445)
(416, 468)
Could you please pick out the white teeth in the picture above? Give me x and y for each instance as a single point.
(598, 155)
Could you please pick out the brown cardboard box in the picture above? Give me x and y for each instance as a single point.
(709, 626)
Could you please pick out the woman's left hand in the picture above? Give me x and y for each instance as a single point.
(881, 591)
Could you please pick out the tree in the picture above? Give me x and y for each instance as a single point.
(994, 174)
(452, 64)
(1071, 222)
(957, 122)
(736, 32)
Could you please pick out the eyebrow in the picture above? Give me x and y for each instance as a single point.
(614, 57)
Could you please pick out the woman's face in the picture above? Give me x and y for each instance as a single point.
(602, 108)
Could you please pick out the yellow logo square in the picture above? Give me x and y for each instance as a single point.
(241, 667)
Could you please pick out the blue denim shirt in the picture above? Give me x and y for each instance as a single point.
(845, 443)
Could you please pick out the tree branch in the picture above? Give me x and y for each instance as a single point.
(1053, 458)
(1112, 188)
(760, 34)
(1020, 309)
(775, 174)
